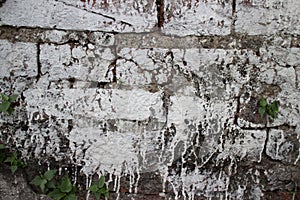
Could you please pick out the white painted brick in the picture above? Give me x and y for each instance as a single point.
(247, 145)
(280, 147)
(66, 14)
(18, 59)
(268, 16)
(281, 56)
(95, 103)
(144, 66)
(63, 62)
(197, 17)
(106, 153)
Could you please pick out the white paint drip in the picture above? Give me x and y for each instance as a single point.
(298, 137)
(88, 182)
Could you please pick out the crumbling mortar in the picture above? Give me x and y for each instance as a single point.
(243, 41)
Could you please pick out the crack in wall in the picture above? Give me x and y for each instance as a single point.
(160, 13)
(95, 13)
(39, 65)
(234, 17)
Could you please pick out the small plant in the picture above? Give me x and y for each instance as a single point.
(45, 181)
(269, 109)
(7, 104)
(15, 162)
(98, 188)
(64, 191)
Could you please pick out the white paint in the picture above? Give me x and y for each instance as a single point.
(202, 18)
(268, 16)
(18, 59)
(69, 15)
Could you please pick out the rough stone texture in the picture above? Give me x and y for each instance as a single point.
(119, 16)
(197, 17)
(108, 87)
(267, 16)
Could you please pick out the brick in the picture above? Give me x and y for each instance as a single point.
(184, 18)
(61, 62)
(244, 144)
(18, 59)
(267, 17)
(77, 15)
(283, 145)
(104, 104)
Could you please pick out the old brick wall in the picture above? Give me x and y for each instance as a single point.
(160, 96)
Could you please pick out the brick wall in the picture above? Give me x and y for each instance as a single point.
(160, 96)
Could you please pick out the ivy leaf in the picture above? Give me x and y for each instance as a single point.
(103, 190)
(51, 184)
(66, 185)
(12, 98)
(9, 110)
(37, 181)
(94, 188)
(49, 174)
(263, 102)
(4, 97)
(106, 193)
(261, 111)
(43, 185)
(11, 158)
(97, 195)
(101, 182)
(56, 194)
(4, 106)
(13, 168)
(275, 106)
(70, 197)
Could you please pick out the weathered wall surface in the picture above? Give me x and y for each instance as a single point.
(162, 96)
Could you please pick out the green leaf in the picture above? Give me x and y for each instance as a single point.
(94, 188)
(4, 106)
(13, 168)
(4, 97)
(49, 174)
(13, 98)
(43, 185)
(103, 190)
(274, 114)
(106, 194)
(2, 146)
(66, 185)
(37, 181)
(275, 106)
(51, 184)
(10, 110)
(74, 189)
(261, 111)
(101, 182)
(97, 195)
(56, 194)
(11, 158)
(71, 196)
(263, 102)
